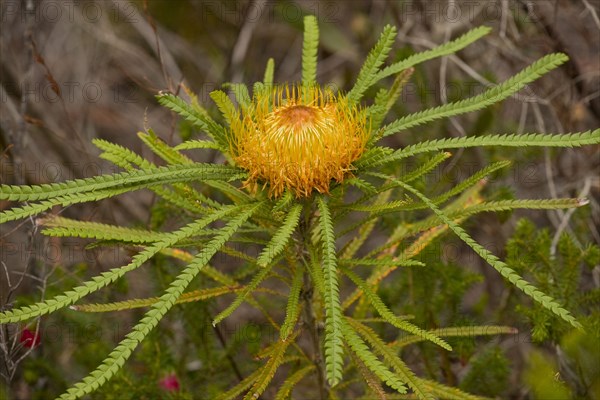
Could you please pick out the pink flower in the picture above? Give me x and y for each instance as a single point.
(29, 338)
(170, 383)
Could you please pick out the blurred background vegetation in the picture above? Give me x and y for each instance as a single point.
(75, 71)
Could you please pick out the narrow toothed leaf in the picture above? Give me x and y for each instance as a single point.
(197, 116)
(133, 180)
(442, 50)
(241, 94)
(281, 237)
(489, 97)
(386, 314)
(125, 348)
(196, 295)
(243, 294)
(543, 299)
(98, 282)
(361, 350)
(374, 60)
(197, 144)
(508, 140)
(309, 50)
(64, 227)
(458, 331)
(269, 72)
(291, 381)
(268, 370)
(292, 310)
(163, 150)
(225, 105)
(333, 336)
(392, 359)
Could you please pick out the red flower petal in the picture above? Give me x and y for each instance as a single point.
(169, 383)
(29, 338)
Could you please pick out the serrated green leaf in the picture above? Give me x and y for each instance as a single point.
(98, 282)
(333, 335)
(309, 51)
(392, 359)
(439, 51)
(386, 314)
(269, 72)
(508, 140)
(374, 60)
(546, 301)
(292, 310)
(366, 356)
(197, 116)
(123, 351)
(489, 97)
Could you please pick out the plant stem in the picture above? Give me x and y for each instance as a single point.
(307, 294)
(311, 322)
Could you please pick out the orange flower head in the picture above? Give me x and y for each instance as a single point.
(299, 138)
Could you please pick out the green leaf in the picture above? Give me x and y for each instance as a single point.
(281, 237)
(292, 310)
(104, 186)
(197, 144)
(121, 156)
(134, 180)
(378, 208)
(373, 157)
(197, 116)
(309, 50)
(489, 97)
(161, 149)
(36, 208)
(426, 167)
(443, 50)
(64, 227)
(405, 205)
(386, 314)
(488, 206)
(458, 331)
(383, 262)
(286, 388)
(507, 140)
(385, 99)
(391, 359)
(123, 351)
(446, 392)
(543, 299)
(98, 282)
(225, 105)
(187, 297)
(374, 60)
(269, 72)
(237, 390)
(240, 91)
(268, 370)
(256, 280)
(183, 196)
(368, 358)
(333, 336)
(231, 191)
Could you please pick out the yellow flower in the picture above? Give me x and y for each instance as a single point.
(298, 138)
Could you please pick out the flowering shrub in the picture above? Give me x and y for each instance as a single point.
(300, 161)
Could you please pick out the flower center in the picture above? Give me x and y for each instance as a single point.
(295, 125)
(297, 115)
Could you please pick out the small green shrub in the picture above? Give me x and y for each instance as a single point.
(308, 159)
